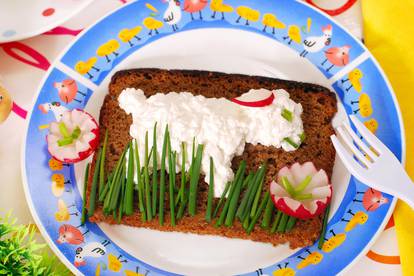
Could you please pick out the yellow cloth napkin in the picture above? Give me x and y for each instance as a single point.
(389, 34)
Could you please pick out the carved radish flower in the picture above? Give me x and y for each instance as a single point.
(74, 137)
(301, 190)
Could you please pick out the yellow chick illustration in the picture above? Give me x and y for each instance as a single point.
(372, 125)
(247, 14)
(359, 218)
(270, 20)
(354, 77)
(284, 271)
(114, 264)
(55, 165)
(126, 35)
(218, 6)
(293, 34)
(63, 213)
(58, 184)
(136, 273)
(365, 107)
(313, 258)
(84, 67)
(108, 48)
(6, 104)
(152, 24)
(333, 242)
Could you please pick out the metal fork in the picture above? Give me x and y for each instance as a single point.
(374, 165)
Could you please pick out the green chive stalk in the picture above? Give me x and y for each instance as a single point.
(259, 212)
(154, 172)
(147, 180)
(210, 192)
(162, 177)
(85, 186)
(102, 165)
(129, 190)
(92, 196)
(195, 176)
(140, 183)
(325, 223)
(236, 194)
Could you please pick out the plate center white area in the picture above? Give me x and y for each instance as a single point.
(225, 50)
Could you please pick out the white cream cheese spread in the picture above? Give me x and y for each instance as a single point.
(222, 126)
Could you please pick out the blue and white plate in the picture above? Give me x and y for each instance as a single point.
(234, 36)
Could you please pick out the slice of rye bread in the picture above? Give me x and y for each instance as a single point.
(319, 107)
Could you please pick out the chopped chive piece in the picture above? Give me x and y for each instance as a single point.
(146, 181)
(288, 186)
(290, 223)
(287, 114)
(92, 196)
(302, 137)
(291, 142)
(210, 192)
(195, 176)
(154, 172)
(221, 200)
(76, 133)
(102, 167)
(171, 167)
(140, 183)
(243, 203)
(63, 130)
(236, 194)
(85, 186)
(129, 190)
(276, 221)
(260, 179)
(302, 186)
(65, 141)
(162, 177)
(282, 224)
(268, 214)
(259, 212)
(303, 196)
(325, 223)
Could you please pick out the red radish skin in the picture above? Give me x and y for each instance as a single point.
(84, 154)
(261, 103)
(301, 212)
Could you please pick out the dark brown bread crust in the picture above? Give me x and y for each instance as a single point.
(319, 107)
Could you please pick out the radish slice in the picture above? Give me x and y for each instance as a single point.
(74, 137)
(301, 190)
(255, 98)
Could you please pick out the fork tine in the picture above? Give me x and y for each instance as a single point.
(348, 141)
(353, 166)
(360, 144)
(368, 135)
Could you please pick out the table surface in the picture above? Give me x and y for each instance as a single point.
(21, 77)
